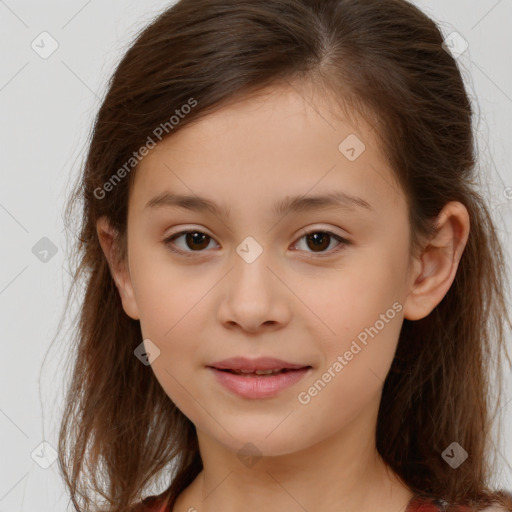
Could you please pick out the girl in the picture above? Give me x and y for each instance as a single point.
(294, 291)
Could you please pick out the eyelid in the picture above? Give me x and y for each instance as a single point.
(319, 229)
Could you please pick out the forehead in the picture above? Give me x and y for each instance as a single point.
(282, 141)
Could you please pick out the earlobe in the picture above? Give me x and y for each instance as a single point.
(118, 269)
(435, 270)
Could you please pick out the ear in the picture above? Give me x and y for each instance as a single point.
(435, 269)
(119, 269)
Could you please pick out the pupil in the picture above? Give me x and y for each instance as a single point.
(315, 238)
(192, 237)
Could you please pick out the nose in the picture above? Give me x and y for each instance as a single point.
(253, 297)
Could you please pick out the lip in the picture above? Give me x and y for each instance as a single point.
(260, 363)
(258, 386)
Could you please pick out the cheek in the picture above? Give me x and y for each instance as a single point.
(170, 318)
(171, 302)
(166, 293)
(357, 358)
(354, 297)
(361, 314)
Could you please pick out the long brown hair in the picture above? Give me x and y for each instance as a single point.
(383, 59)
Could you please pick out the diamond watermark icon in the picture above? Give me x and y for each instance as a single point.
(249, 249)
(147, 352)
(44, 45)
(455, 455)
(44, 455)
(352, 147)
(249, 455)
(455, 44)
(44, 250)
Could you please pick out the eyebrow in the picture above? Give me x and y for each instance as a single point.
(289, 204)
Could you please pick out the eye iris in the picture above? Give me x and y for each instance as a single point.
(319, 239)
(194, 236)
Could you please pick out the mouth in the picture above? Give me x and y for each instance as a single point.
(259, 373)
(259, 366)
(258, 378)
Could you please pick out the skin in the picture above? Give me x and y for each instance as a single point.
(290, 303)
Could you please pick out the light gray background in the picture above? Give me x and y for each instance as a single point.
(47, 107)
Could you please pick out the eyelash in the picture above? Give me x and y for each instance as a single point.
(187, 254)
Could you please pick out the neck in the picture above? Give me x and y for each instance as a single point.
(341, 473)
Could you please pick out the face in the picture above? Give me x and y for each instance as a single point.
(320, 286)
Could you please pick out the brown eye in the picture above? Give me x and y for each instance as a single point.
(194, 241)
(319, 241)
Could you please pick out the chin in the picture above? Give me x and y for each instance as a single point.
(260, 444)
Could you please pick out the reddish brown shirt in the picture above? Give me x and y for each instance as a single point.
(417, 504)
(420, 504)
